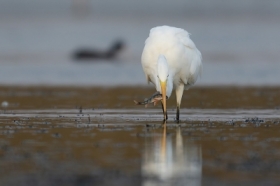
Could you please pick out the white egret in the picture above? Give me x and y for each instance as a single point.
(171, 59)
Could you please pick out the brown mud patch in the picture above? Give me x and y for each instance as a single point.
(122, 97)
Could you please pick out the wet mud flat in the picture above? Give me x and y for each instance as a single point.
(97, 136)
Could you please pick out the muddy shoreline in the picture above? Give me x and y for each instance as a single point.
(97, 136)
(122, 97)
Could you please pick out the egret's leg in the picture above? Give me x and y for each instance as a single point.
(178, 114)
(163, 111)
(179, 94)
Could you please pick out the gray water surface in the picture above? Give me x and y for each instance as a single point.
(239, 40)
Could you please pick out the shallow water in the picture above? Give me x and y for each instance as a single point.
(239, 40)
(48, 136)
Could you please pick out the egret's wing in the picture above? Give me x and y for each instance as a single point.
(194, 58)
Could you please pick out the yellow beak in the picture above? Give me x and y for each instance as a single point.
(163, 92)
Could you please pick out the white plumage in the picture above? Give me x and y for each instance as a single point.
(169, 52)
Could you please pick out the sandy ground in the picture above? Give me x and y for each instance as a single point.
(97, 136)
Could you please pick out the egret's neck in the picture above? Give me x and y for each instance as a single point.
(163, 75)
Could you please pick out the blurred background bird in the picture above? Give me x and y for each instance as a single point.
(171, 59)
(91, 54)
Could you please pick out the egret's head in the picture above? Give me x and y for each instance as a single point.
(162, 67)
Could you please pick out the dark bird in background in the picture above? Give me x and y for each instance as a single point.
(91, 54)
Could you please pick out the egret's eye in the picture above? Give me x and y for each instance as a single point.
(167, 75)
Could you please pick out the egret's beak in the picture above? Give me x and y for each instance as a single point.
(163, 93)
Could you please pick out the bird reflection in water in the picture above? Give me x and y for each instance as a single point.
(167, 163)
